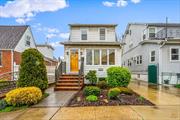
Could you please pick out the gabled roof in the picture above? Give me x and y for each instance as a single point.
(92, 25)
(10, 36)
(45, 45)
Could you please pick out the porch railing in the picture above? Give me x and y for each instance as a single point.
(60, 69)
(81, 72)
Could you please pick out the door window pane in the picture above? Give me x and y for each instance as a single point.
(175, 54)
(104, 57)
(96, 57)
(111, 57)
(88, 57)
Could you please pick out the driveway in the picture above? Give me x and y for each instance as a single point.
(167, 108)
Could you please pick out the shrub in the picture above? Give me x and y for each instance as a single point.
(102, 79)
(91, 76)
(118, 76)
(3, 104)
(92, 98)
(177, 85)
(91, 90)
(32, 70)
(23, 96)
(113, 93)
(102, 84)
(125, 90)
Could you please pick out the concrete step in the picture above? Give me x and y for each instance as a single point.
(68, 84)
(69, 81)
(69, 88)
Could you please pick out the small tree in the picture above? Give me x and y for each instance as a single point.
(91, 76)
(32, 70)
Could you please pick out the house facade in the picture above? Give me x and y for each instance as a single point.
(13, 41)
(97, 44)
(153, 44)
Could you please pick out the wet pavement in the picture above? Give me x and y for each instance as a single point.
(167, 108)
(56, 98)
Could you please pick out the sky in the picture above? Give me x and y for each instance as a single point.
(50, 18)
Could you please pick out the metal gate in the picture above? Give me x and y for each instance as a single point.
(152, 74)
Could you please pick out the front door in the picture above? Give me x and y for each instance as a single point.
(74, 60)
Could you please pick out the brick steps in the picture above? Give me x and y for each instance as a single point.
(69, 82)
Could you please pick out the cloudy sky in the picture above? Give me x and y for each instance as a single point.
(50, 18)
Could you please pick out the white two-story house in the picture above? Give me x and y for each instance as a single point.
(97, 44)
(152, 52)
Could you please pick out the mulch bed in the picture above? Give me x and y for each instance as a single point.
(79, 100)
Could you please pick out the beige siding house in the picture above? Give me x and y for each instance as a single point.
(96, 44)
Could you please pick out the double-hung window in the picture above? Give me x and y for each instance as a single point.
(175, 54)
(102, 32)
(0, 58)
(139, 60)
(83, 34)
(152, 56)
(152, 32)
(28, 41)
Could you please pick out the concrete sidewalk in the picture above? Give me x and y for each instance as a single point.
(167, 108)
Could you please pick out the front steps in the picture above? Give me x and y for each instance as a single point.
(69, 82)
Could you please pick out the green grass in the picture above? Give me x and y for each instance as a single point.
(177, 85)
(45, 95)
(13, 108)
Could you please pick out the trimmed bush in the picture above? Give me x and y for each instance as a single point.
(24, 96)
(118, 77)
(177, 85)
(102, 84)
(91, 90)
(113, 93)
(32, 70)
(125, 90)
(92, 98)
(91, 76)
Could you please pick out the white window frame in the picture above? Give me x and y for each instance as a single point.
(28, 41)
(138, 60)
(114, 56)
(154, 32)
(171, 54)
(150, 56)
(92, 56)
(81, 33)
(105, 33)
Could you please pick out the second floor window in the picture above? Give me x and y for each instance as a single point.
(152, 32)
(0, 58)
(152, 56)
(83, 34)
(175, 54)
(28, 43)
(102, 32)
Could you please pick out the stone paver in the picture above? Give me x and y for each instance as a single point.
(11, 115)
(56, 98)
(97, 113)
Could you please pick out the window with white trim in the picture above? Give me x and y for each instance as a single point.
(83, 34)
(28, 42)
(152, 32)
(88, 57)
(174, 54)
(104, 57)
(139, 60)
(152, 56)
(102, 32)
(96, 57)
(0, 58)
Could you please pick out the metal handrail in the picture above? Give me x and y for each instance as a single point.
(60, 69)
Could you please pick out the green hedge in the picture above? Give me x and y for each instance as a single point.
(118, 76)
(32, 70)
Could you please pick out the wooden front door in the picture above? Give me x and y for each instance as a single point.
(74, 60)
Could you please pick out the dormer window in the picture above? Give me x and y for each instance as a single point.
(152, 32)
(28, 43)
(102, 32)
(83, 34)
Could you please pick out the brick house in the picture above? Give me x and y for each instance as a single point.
(13, 41)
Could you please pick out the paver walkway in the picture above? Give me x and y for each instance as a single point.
(167, 108)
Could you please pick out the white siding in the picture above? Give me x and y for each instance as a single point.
(21, 46)
(92, 34)
(46, 51)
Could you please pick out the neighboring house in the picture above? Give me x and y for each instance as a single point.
(153, 44)
(97, 44)
(47, 51)
(13, 41)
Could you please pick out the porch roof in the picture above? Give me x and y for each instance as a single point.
(91, 43)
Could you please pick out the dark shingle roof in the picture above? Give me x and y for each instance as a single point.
(10, 36)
